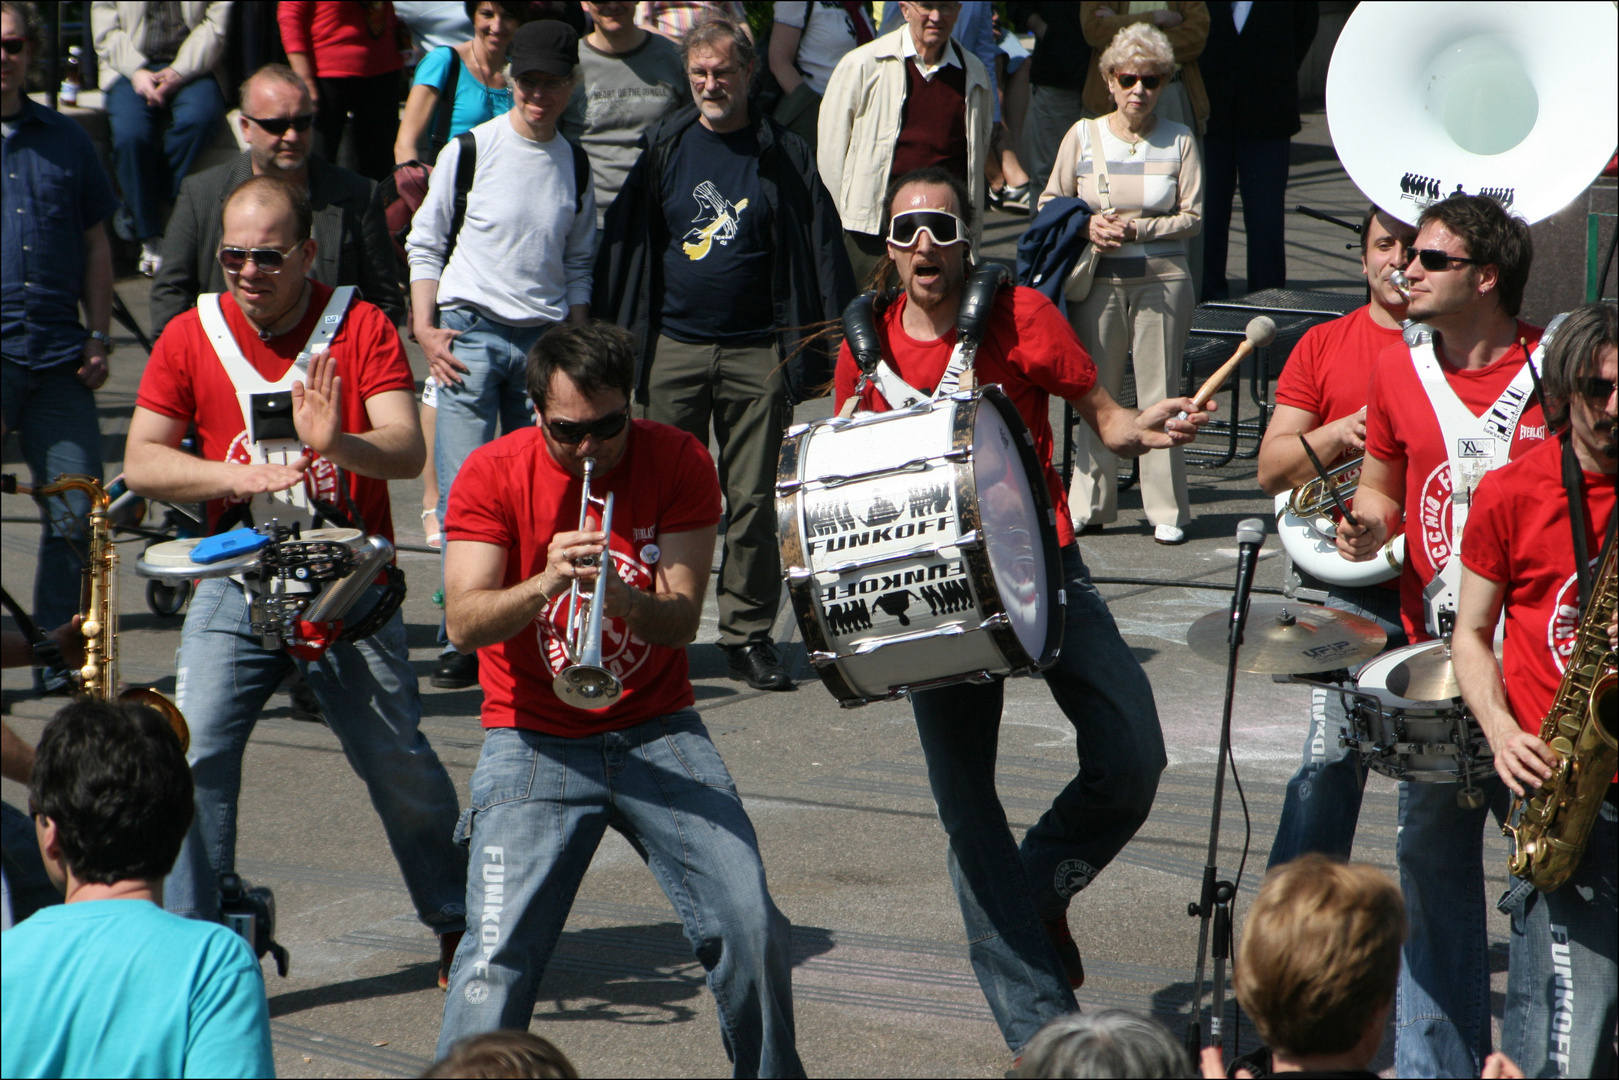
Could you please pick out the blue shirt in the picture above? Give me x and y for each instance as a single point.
(716, 269)
(474, 102)
(54, 188)
(123, 988)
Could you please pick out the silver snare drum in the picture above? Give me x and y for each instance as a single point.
(920, 547)
(1407, 739)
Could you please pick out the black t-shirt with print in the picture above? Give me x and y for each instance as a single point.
(716, 269)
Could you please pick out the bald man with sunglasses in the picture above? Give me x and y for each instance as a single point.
(351, 235)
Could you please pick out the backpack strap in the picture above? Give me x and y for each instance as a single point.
(446, 102)
(466, 166)
(581, 175)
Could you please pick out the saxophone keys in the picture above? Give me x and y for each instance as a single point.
(91, 629)
(1562, 747)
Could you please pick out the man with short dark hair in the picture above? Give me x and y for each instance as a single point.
(355, 427)
(54, 260)
(722, 253)
(109, 984)
(1447, 405)
(560, 766)
(350, 232)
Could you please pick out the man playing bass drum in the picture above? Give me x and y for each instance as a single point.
(1015, 902)
(553, 777)
(1322, 395)
(1520, 553)
(1443, 412)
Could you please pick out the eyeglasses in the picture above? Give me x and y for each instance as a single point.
(719, 74)
(574, 432)
(268, 260)
(280, 125)
(1434, 261)
(1594, 387)
(533, 86)
(13, 46)
(944, 227)
(1148, 82)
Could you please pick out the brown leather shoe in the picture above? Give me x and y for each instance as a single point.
(447, 944)
(1067, 951)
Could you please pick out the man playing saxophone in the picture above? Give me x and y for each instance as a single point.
(1521, 553)
(1322, 396)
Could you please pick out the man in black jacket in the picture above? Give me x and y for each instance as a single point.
(722, 253)
(351, 236)
(1056, 81)
(1251, 72)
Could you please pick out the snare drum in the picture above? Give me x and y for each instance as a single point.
(171, 560)
(1424, 741)
(920, 547)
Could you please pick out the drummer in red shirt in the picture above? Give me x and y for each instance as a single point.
(356, 424)
(1015, 901)
(553, 777)
(1520, 554)
(1447, 406)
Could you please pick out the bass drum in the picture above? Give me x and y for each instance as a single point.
(920, 547)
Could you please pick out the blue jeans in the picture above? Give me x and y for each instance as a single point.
(494, 387)
(1562, 996)
(1005, 891)
(1442, 1025)
(151, 162)
(539, 807)
(1322, 803)
(54, 416)
(367, 692)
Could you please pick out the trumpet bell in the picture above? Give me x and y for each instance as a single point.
(1510, 100)
(586, 687)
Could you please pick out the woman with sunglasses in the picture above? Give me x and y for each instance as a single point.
(1143, 178)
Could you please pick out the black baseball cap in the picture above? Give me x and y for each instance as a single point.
(547, 45)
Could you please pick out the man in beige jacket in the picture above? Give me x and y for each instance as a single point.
(908, 100)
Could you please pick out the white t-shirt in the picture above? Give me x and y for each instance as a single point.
(828, 37)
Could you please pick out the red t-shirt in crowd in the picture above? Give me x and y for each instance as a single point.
(344, 40)
(1329, 372)
(1401, 426)
(513, 494)
(1518, 535)
(184, 380)
(1029, 349)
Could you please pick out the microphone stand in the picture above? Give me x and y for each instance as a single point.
(1213, 905)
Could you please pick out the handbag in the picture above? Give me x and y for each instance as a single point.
(1078, 285)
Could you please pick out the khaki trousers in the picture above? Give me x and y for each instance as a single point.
(1146, 320)
(741, 389)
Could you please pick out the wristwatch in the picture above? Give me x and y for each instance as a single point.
(103, 337)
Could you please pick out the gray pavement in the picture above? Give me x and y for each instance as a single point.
(840, 800)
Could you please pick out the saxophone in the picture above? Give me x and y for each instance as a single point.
(99, 675)
(1549, 838)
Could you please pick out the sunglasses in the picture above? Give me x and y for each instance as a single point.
(1594, 387)
(1148, 82)
(280, 126)
(1435, 261)
(268, 260)
(13, 46)
(574, 432)
(944, 227)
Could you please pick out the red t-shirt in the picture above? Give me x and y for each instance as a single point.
(513, 494)
(1518, 535)
(344, 40)
(1029, 349)
(1401, 426)
(1329, 372)
(184, 380)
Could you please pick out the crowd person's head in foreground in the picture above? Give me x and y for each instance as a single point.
(499, 1055)
(1109, 1043)
(1318, 962)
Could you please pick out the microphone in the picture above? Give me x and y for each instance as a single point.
(1250, 537)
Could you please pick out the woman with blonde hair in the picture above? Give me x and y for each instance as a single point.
(1143, 179)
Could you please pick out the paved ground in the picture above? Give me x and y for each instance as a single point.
(850, 840)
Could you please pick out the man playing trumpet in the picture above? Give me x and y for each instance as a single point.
(553, 777)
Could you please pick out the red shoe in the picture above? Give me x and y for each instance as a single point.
(1067, 951)
(447, 944)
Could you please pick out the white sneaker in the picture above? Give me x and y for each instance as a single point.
(1168, 534)
(151, 257)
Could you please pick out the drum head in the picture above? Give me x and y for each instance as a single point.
(1388, 676)
(1011, 524)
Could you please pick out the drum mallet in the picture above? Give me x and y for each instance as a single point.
(1261, 332)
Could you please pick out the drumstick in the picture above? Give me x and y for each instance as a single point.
(1261, 332)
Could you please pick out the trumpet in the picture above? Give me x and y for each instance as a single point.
(1313, 499)
(585, 683)
(1306, 527)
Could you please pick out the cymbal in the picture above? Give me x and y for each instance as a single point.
(1287, 638)
(1426, 676)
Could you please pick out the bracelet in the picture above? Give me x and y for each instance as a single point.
(103, 337)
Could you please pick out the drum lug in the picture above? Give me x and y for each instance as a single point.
(787, 487)
(981, 678)
(998, 621)
(957, 457)
(823, 659)
(796, 430)
(798, 575)
(970, 541)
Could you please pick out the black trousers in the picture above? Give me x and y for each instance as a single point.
(373, 101)
(1259, 167)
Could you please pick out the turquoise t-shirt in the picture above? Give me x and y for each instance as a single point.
(123, 988)
(474, 102)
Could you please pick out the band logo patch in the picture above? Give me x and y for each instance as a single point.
(1475, 448)
(1424, 190)
(622, 652)
(320, 478)
(1565, 621)
(1434, 516)
(899, 518)
(1073, 875)
(907, 596)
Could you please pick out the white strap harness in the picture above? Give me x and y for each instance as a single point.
(248, 383)
(1474, 445)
